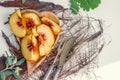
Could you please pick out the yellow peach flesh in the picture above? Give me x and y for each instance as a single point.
(16, 24)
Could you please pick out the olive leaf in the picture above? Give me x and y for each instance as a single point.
(12, 67)
(20, 62)
(9, 60)
(6, 73)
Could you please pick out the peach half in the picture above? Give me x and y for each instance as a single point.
(46, 39)
(29, 48)
(30, 21)
(54, 26)
(47, 14)
(15, 22)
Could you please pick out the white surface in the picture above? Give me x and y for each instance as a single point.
(109, 72)
(109, 11)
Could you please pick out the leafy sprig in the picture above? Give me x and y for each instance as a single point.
(12, 67)
(85, 4)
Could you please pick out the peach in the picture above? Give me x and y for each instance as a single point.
(47, 14)
(54, 26)
(46, 39)
(29, 48)
(15, 22)
(30, 21)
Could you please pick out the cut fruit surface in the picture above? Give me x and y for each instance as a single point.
(47, 14)
(29, 48)
(30, 21)
(54, 26)
(45, 34)
(15, 22)
(44, 49)
(46, 39)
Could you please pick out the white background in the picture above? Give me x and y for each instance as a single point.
(109, 12)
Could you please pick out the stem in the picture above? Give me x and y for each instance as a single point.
(8, 68)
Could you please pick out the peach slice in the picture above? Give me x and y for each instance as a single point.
(54, 26)
(30, 21)
(46, 39)
(15, 22)
(44, 49)
(47, 14)
(29, 48)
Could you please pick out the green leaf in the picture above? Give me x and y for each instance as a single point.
(85, 4)
(5, 74)
(23, 1)
(20, 62)
(8, 73)
(2, 76)
(74, 6)
(9, 60)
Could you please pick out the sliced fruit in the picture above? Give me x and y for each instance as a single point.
(45, 34)
(47, 14)
(29, 48)
(30, 21)
(54, 26)
(36, 39)
(46, 39)
(44, 49)
(16, 24)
